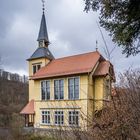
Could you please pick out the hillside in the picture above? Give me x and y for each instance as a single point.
(13, 96)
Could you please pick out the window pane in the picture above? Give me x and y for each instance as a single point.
(73, 118)
(76, 82)
(73, 88)
(55, 119)
(48, 90)
(42, 90)
(62, 119)
(77, 120)
(48, 95)
(76, 92)
(71, 92)
(71, 81)
(38, 67)
(59, 89)
(76, 88)
(70, 87)
(46, 117)
(69, 119)
(34, 69)
(45, 90)
(47, 84)
(56, 89)
(42, 118)
(49, 119)
(59, 117)
(43, 94)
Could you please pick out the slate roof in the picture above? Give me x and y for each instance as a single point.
(77, 64)
(42, 52)
(43, 34)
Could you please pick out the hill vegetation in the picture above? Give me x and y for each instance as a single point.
(13, 96)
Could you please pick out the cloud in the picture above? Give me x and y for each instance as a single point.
(71, 31)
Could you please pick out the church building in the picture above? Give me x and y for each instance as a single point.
(65, 92)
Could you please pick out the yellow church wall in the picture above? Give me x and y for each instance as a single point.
(65, 105)
(78, 105)
(35, 88)
(101, 91)
(91, 95)
(91, 92)
(31, 90)
(90, 103)
(95, 96)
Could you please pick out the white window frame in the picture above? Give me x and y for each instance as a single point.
(73, 114)
(59, 89)
(36, 67)
(47, 117)
(46, 89)
(73, 88)
(56, 117)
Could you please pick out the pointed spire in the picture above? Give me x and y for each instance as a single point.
(43, 41)
(43, 34)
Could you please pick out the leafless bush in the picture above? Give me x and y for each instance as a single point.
(121, 119)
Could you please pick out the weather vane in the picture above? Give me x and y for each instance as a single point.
(43, 5)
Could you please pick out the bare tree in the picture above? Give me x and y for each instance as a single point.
(120, 120)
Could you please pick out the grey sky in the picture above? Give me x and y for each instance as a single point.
(71, 31)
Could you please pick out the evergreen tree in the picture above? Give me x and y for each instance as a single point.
(122, 19)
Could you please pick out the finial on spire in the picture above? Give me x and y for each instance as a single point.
(43, 5)
(96, 45)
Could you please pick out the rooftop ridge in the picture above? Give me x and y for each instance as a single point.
(77, 55)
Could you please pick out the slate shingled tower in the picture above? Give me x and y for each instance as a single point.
(42, 54)
(43, 34)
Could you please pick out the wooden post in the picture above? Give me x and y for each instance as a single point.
(25, 120)
(28, 120)
(33, 119)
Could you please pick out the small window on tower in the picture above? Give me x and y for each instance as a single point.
(36, 68)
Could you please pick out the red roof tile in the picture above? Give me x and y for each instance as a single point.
(29, 108)
(77, 64)
(103, 68)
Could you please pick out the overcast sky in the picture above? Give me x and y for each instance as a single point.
(71, 31)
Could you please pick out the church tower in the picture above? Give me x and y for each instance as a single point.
(42, 55)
